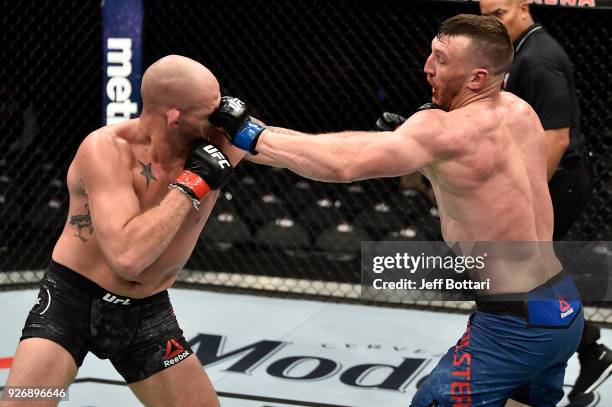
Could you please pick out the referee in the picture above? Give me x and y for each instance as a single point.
(542, 75)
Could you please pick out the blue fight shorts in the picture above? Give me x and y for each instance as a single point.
(511, 349)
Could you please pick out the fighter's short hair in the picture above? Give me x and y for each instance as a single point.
(490, 39)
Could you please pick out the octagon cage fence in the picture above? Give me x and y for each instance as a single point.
(313, 66)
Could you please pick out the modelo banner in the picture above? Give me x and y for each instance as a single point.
(122, 59)
(560, 3)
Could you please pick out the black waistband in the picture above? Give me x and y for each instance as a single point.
(512, 304)
(84, 284)
(514, 308)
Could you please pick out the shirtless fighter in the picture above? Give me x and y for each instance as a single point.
(485, 155)
(140, 194)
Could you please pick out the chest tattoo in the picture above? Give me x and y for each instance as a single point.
(147, 172)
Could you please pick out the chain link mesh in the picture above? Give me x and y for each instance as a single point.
(50, 100)
(313, 66)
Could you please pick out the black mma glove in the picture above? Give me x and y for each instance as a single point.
(428, 106)
(206, 169)
(233, 116)
(391, 121)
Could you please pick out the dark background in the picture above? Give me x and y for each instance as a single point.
(309, 65)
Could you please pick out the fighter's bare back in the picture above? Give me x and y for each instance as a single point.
(502, 145)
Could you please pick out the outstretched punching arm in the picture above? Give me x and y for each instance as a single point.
(420, 141)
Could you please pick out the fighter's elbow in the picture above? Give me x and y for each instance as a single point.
(564, 143)
(126, 266)
(344, 173)
(330, 172)
(358, 166)
(559, 140)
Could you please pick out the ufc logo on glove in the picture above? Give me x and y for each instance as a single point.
(212, 150)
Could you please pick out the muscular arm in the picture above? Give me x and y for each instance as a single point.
(131, 240)
(268, 160)
(350, 156)
(558, 140)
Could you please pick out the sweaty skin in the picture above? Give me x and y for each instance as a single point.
(485, 158)
(125, 230)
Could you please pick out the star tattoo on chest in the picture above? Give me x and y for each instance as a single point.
(147, 172)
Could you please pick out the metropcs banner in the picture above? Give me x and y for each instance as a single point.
(560, 3)
(122, 59)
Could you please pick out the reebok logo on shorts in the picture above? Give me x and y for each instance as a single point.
(174, 352)
(566, 308)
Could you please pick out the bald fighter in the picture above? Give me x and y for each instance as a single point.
(140, 194)
(485, 154)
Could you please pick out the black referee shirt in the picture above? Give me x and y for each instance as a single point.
(543, 76)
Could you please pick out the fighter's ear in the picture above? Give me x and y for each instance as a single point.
(478, 78)
(524, 9)
(172, 117)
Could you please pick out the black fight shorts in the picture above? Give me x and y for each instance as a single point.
(140, 336)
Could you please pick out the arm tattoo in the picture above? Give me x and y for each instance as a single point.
(82, 221)
(83, 186)
(147, 172)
